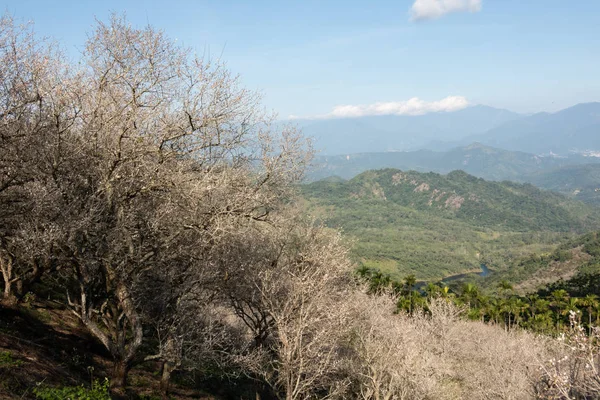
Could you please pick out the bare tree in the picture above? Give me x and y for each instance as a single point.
(35, 109)
(169, 150)
(299, 292)
(136, 165)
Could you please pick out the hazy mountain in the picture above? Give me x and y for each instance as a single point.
(574, 129)
(476, 159)
(393, 132)
(581, 182)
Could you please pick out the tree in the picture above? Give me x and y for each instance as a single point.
(34, 108)
(470, 294)
(135, 166)
(559, 300)
(304, 292)
(590, 301)
(504, 287)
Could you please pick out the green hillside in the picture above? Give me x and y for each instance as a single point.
(571, 260)
(581, 182)
(439, 225)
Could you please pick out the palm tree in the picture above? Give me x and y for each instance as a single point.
(512, 308)
(520, 306)
(364, 271)
(416, 300)
(573, 305)
(495, 309)
(543, 321)
(470, 293)
(409, 283)
(504, 287)
(590, 301)
(533, 298)
(559, 302)
(542, 306)
(379, 281)
(432, 290)
(484, 306)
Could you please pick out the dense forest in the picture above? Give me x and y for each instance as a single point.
(155, 243)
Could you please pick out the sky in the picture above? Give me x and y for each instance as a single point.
(330, 58)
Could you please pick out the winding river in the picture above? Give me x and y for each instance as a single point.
(485, 271)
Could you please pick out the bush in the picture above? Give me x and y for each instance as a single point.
(441, 356)
(98, 391)
(574, 370)
(7, 360)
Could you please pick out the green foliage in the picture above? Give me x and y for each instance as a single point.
(546, 311)
(580, 255)
(436, 226)
(98, 391)
(581, 182)
(7, 360)
(458, 195)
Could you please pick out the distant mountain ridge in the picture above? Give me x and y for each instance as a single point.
(476, 159)
(396, 132)
(573, 129)
(581, 182)
(441, 225)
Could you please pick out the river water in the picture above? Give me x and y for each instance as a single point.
(485, 271)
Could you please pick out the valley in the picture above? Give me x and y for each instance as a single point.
(435, 226)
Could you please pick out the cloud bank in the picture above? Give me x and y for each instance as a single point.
(433, 9)
(414, 106)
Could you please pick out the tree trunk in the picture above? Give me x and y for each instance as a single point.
(115, 342)
(6, 266)
(9, 299)
(165, 379)
(119, 375)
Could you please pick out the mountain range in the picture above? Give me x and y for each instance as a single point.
(581, 182)
(396, 133)
(476, 159)
(575, 129)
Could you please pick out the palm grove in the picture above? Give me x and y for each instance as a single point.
(146, 190)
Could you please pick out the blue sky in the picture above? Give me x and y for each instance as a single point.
(309, 57)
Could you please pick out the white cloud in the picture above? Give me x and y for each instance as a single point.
(432, 9)
(414, 106)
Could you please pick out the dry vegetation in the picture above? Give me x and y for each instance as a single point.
(148, 194)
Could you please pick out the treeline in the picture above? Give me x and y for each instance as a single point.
(576, 255)
(549, 310)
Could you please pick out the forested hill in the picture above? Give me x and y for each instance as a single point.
(460, 196)
(573, 265)
(581, 182)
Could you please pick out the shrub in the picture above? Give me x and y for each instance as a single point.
(442, 355)
(98, 391)
(6, 360)
(574, 371)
